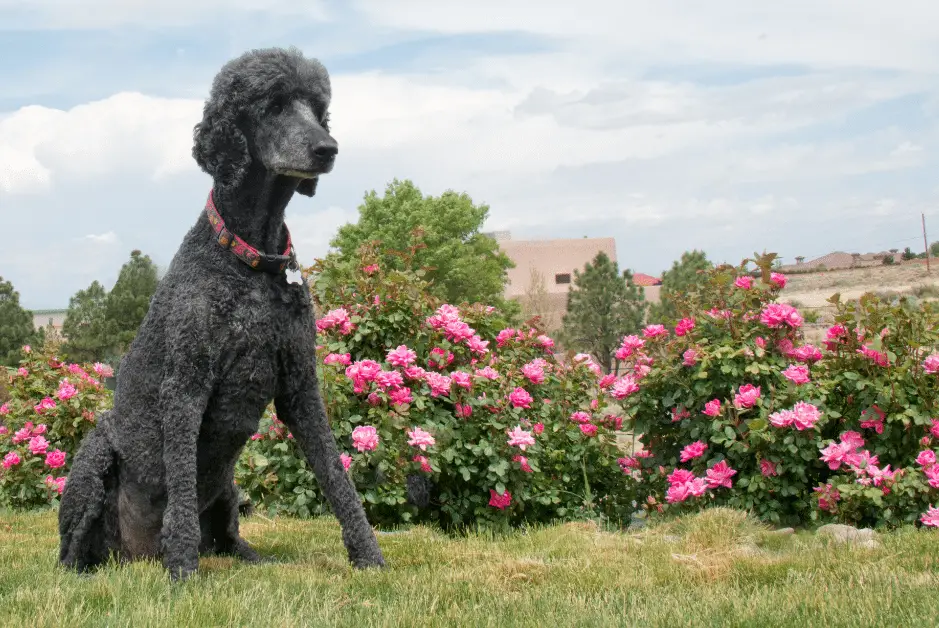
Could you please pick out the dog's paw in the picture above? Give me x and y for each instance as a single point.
(368, 560)
(180, 569)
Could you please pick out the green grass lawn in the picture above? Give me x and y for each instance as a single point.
(711, 569)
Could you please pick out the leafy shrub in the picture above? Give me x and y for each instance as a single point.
(504, 430)
(735, 385)
(52, 405)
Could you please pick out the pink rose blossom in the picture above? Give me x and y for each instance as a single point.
(588, 429)
(684, 326)
(343, 359)
(439, 384)
(464, 411)
(768, 468)
(712, 407)
(523, 463)
(439, 358)
(445, 314)
(747, 396)
(487, 373)
(926, 458)
(338, 318)
(414, 372)
(505, 336)
(27, 349)
(654, 331)
(719, 475)
(424, 462)
(519, 398)
(930, 517)
(389, 379)
(420, 438)
(744, 283)
(500, 501)
(11, 459)
(797, 374)
(778, 279)
(346, 460)
(538, 428)
(370, 269)
(55, 459)
(877, 357)
(365, 438)
(478, 345)
(805, 415)
(400, 396)
(103, 370)
(4, 409)
(534, 373)
(38, 445)
(624, 387)
(876, 423)
(520, 438)
(692, 451)
(806, 353)
(46, 404)
(679, 413)
(401, 356)
(689, 357)
(931, 364)
(22, 372)
(544, 341)
(580, 417)
(461, 379)
(780, 314)
(56, 484)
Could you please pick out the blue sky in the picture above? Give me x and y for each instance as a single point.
(799, 128)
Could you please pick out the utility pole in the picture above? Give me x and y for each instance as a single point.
(925, 241)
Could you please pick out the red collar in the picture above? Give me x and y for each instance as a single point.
(258, 260)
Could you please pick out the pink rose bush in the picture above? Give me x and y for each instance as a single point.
(53, 403)
(505, 430)
(844, 431)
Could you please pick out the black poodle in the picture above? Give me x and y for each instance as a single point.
(229, 329)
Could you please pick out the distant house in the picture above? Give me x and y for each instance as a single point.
(552, 263)
(46, 318)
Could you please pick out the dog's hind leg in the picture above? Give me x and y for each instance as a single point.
(219, 526)
(88, 527)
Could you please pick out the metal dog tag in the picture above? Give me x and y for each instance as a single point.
(294, 276)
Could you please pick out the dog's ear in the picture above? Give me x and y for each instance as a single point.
(307, 187)
(219, 146)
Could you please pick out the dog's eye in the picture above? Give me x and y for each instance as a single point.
(277, 106)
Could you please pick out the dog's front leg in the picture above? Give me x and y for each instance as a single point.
(184, 396)
(300, 406)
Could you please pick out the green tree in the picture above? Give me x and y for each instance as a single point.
(463, 264)
(85, 327)
(602, 307)
(683, 276)
(127, 304)
(908, 254)
(16, 325)
(934, 249)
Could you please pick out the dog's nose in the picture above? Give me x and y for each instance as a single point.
(326, 150)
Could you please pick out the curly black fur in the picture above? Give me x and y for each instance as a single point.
(220, 341)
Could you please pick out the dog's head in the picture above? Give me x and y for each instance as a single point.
(268, 108)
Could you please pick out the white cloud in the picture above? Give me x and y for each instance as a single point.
(125, 132)
(103, 14)
(105, 238)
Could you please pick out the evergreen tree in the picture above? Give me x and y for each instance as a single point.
(85, 326)
(127, 303)
(602, 307)
(16, 325)
(677, 281)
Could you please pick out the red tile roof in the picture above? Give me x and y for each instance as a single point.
(641, 279)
